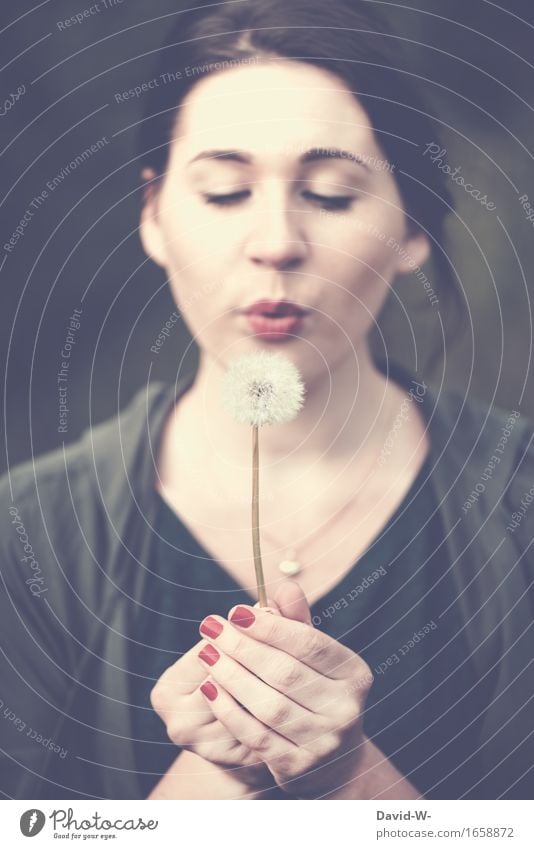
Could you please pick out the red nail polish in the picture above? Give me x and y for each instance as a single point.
(242, 617)
(209, 690)
(209, 655)
(211, 628)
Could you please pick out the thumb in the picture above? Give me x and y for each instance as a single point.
(292, 602)
(271, 607)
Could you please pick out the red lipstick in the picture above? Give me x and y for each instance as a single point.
(274, 320)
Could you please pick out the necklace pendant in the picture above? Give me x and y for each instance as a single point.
(290, 566)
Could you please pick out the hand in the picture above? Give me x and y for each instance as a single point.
(192, 725)
(289, 694)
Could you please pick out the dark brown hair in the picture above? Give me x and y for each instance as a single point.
(344, 37)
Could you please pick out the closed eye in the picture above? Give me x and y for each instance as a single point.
(324, 201)
(331, 201)
(226, 200)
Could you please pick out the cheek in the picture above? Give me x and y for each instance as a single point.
(200, 304)
(361, 267)
(201, 230)
(363, 233)
(193, 254)
(358, 260)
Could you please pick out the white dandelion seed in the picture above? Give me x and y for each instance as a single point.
(262, 388)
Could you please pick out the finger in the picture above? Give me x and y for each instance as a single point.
(244, 727)
(282, 672)
(183, 677)
(317, 650)
(271, 607)
(189, 733)
(188, 719)
(292, 602)
(273, 709)
(215, 744)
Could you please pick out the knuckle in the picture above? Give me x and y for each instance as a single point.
(154, 697)
(363, 675)
(288, 675)
(347, 713)
(233, 675)
(260, 741)
(315, 647)
(328, 744)
(178, 734)
(159, 695)
(228, 716)
(288, 765)
(214, 754)
(359, 681)
(239, 644)
(271, 629)
(277, 713)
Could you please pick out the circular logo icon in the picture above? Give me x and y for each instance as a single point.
(31, 822)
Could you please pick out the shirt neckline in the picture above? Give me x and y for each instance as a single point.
(411, 499)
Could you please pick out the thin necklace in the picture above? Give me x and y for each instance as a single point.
(291, 564)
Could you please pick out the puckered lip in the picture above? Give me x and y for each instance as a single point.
(279, 308)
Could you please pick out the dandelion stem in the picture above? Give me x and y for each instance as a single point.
(260, 580)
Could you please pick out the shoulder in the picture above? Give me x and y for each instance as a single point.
(462, 426)
(470, 433)
(64, 510)
(475, 421)
(487, 466)
(63, 472)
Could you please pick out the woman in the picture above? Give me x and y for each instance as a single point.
(283, 195)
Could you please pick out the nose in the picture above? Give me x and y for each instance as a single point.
(277, 240)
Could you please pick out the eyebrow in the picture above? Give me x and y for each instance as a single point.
(315, 154)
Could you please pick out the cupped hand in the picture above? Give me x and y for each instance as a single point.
(289, 694)
(191, 723)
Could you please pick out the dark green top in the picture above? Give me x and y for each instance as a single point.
(75, 673)
(395, 607)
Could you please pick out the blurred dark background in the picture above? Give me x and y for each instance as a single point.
(80, 248)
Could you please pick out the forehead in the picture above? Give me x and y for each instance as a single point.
(279, 107)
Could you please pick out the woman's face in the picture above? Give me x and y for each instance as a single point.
(242, 214)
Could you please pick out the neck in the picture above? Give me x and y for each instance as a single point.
(343, 411)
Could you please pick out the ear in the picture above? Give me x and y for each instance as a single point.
(415, 250)
(149, 226)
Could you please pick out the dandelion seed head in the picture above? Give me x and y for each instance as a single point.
(262, 388)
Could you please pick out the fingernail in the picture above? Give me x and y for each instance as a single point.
(209, 655)
(209, 690)
(243, 617)
(210, 627)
